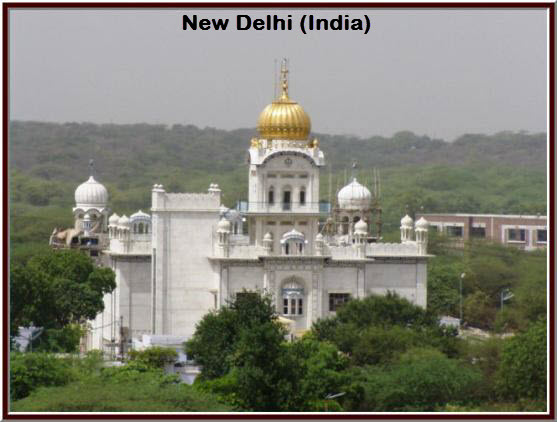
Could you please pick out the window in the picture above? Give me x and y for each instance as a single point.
(477, 232)
(302, 197)
(140, 228)
(542, 236)
(286, 200)
(336, 300)
(292, 299)
(94, 252)
(454, 231)
(516, 235)
(271, 196)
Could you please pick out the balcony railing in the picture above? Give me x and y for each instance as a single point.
(294, 207)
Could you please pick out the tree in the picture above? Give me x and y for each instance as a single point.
(421, 380)
(217, 336)
(523, 369)
(55, 289)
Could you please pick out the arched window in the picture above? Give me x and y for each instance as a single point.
(140, 228)
(293, 243)
(146, 228)
(292, 298)
(303, 196)
(135, 228)
(271, 196)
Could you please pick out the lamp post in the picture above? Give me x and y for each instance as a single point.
(460, 282)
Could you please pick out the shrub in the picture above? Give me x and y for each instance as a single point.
(156, 357)
(523, 369)
(28, 371)
(422, 380)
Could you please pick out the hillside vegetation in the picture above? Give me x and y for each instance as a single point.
(502, 173)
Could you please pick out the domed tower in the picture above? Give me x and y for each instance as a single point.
(284, 173)
(91, 199)
(353, 205)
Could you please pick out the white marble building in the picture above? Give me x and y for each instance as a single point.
(191, 254)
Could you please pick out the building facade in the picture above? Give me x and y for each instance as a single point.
(190, 255)
(526, 232)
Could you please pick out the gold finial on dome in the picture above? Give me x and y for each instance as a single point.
(284, 118)
(284, 80)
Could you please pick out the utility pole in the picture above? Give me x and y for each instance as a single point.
(461, 278)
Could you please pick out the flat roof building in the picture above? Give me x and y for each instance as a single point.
(526, 232)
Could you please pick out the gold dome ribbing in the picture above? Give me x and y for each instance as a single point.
(284, 118)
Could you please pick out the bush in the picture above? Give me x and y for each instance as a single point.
(422, 380)
(28, 371)
(130, 391)
(156, 357)
(523, 369)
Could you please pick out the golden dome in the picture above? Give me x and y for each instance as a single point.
(284, 118)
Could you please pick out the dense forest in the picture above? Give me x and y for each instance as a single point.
(502, 173)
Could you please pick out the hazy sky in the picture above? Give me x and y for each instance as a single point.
(436, 72)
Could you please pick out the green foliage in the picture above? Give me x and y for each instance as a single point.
(215, 343)
(132, 388)
(478, 310)
(443, 279)
(156, 357)
(55, 289)
(490, 269)
(523, 369)
(376, 329)
(29, 371)
(60, 340)
(420, 381)
(321, 371)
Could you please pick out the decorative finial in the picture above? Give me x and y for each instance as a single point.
(354, 167)
(284, 79)
(91, 167)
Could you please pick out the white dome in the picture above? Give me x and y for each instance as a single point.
(354, 196)
(406, 221)
(361, 226)
(124, 221)
(422, 223)
(268, 237)
(319, 237)
(223, 226)
(113, 220)
(91, 194)
(140, 215)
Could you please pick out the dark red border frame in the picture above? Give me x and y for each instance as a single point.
(6, 7)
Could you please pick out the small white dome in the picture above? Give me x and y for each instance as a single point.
(268, 237)
(422, 223)
(91, 194)
(113, 220)
(360, 226)
(406, 221)
(319, 237)
(124, 221)
(140, 215)
(223, 210)
(354, 196)
(223, 226)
